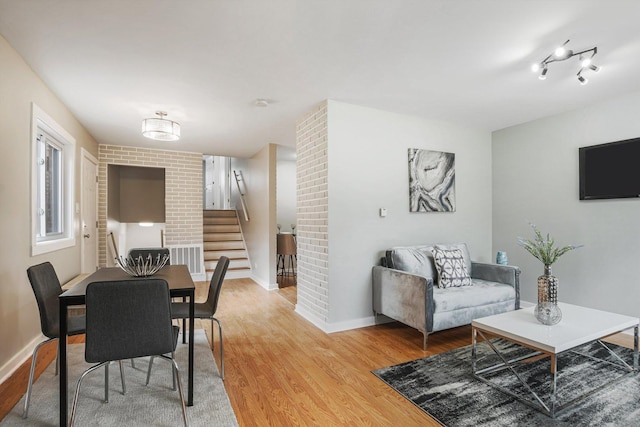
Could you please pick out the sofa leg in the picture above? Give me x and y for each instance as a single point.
(424, 341)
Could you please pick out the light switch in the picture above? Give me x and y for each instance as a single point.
(383, 212)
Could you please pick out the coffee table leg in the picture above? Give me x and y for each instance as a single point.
(635, 348)
(474, 337)
(554, 384)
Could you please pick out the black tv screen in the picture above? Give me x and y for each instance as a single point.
(610, 171)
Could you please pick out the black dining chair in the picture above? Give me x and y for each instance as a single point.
(156, 254)
(46, 288)
(205, 310)
(127, 319)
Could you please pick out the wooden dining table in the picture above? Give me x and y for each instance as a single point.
(180, 285)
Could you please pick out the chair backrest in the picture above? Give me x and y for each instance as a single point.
(46, 287)
(286, 244)
(145, 252)
(128, 319)
(216, 284)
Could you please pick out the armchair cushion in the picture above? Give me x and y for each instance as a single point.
(418, 260)
(451, 267)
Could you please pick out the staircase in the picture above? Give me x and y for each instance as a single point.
(222, 237)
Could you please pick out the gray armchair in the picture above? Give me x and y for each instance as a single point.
(405, 289)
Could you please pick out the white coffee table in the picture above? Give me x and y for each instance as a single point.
(579, 325)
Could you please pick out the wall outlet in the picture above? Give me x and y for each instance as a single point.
(383, 212)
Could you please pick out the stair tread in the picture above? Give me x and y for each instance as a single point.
(230, 268)
(218, 213)
(221, 232)
(222, 236)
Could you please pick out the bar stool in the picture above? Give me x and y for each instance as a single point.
(287, 255)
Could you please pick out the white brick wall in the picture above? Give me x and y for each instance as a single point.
(183, 191)
(313, 213)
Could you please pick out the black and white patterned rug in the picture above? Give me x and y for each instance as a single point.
(443, 387)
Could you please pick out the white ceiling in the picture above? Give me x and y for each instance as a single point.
(115, 62)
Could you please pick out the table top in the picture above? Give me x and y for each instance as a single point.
(579, 325)
(177, 276)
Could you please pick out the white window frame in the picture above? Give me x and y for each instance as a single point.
(42, 122)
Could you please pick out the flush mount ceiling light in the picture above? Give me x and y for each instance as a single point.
(562, 53)
(161, 129)
(261, 102)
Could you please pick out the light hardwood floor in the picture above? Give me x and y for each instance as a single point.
(283, 371)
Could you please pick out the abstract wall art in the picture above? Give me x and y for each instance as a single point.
(431, 181)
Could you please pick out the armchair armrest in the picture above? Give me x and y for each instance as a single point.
(404, 297)
(507, 274)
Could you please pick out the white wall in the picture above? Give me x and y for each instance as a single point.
(535, 178)
(19, 87)
(259, 175)
(368, 169)
(286, 194)
(137, 236)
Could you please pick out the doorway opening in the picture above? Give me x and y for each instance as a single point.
(135, 208)
(216, 180)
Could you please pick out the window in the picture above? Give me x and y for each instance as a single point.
(53, 154)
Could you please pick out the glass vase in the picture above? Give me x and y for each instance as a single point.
(547, 311)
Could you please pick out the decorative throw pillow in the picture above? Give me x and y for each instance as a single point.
(451, 267)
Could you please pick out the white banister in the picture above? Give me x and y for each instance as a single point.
(238, 177)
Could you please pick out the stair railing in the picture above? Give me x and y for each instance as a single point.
(238, 177)
(114, 247)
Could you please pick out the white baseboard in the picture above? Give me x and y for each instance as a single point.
(266, 285)
(311, 317)
(351, 324)
(199, 277)
(19, 358)
(330, 328)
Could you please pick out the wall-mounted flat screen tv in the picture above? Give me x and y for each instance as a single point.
(610, 171)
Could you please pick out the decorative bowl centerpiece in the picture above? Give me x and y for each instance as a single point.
(140, 266)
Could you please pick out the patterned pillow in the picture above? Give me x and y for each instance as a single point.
(451, 267)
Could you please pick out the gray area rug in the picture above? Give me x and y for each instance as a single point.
(443, 387)
(156, 404)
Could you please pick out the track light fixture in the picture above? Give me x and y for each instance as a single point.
(562, 53)
(582, 80)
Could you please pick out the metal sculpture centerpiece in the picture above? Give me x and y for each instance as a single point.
(141, 266)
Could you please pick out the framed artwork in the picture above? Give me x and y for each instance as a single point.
(431, 181)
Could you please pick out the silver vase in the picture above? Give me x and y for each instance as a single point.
(547, 311)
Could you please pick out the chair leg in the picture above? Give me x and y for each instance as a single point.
(133, 364)
(77, 393)
(25, 411)
(221, 345)
(124, 387)
(184, 408)
(106, 382)
(173, 371)
(149, 370)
